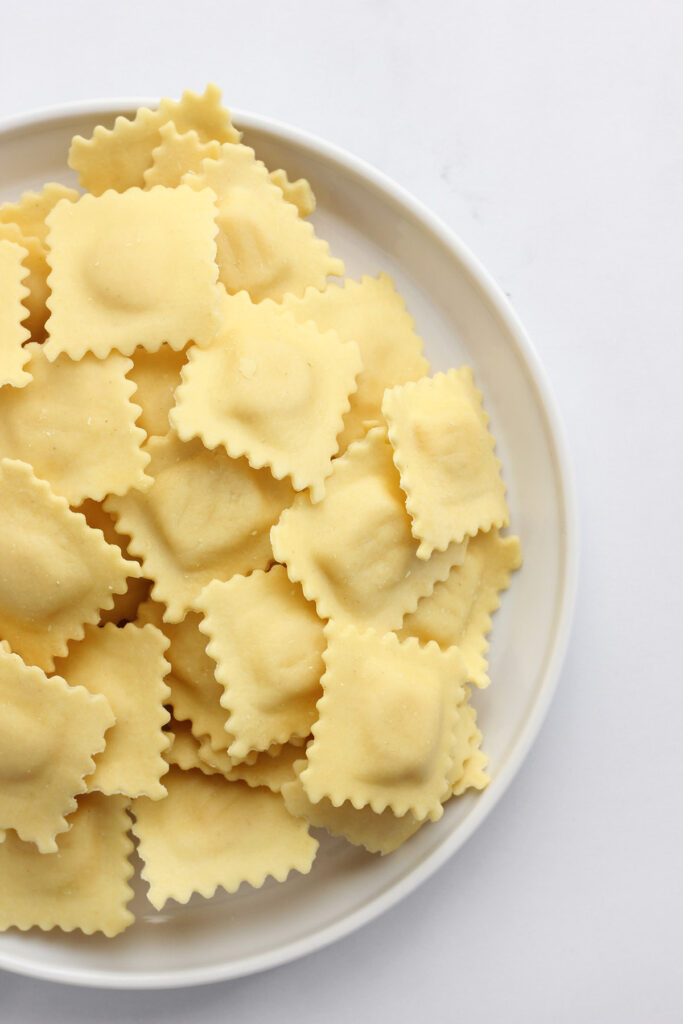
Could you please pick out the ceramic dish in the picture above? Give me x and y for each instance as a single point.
(464, 318)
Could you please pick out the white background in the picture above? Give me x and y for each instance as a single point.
(549, 135)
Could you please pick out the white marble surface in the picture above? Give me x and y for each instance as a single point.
(550, 136)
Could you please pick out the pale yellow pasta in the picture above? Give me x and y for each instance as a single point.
(30, 212)
(183, 749)
(49, 732)
(13, 357)
(459, 609)
(466, 753)
(181, 153)
(385, 832)
(75, 424)
(219, 759)
(444, 453)
(399, 751)
(373, 314)
(125, 607)
(195, 694)
(272, 768)
(120, 279)
(178, 154)
(267, 643)
(57, 573)
(205, 517)
(156, 376)
(474, 774)
(378, 833)
(353, 553)
(210, 832)
(270, 389)
(118, 157)
(83, 885)
(264, 247)
(254, 547)
(36, 280)
(128, 667)
(299, 193)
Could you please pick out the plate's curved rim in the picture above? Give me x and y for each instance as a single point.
(26, 122)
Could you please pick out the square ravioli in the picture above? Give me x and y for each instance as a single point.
(399, 751)
(459, 609)
(373, 314)
(127, 666)
(83, 885)
(270, 389)
(13, 290)
(444, 453)
(264, 247)
(359, 566)
(49, 732)
(117, 158)
(384, 832)
(75, 424)
(57, 573)
(132, 268)
(205, 517)
(267, 642)
(210, 832)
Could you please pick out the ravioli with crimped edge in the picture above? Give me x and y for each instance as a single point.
(250, 549)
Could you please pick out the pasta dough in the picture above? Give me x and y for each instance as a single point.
(205, 517)
(399, 752)
(66, 404)
(371, 313)
(269, 389)
(264, 247)
(210, 832)
(229, 492)
(267, 643)
(362, 569)
(56, 571)
(119, 278)
(444, 454)
(128, 667)
(49, 732)
(83, 885)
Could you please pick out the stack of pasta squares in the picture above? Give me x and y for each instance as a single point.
(250, 548)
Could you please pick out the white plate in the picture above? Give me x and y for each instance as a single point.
(464, 318)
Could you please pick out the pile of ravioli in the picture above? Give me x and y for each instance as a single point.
(250, 548)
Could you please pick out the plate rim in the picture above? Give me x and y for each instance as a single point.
(24, 123)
